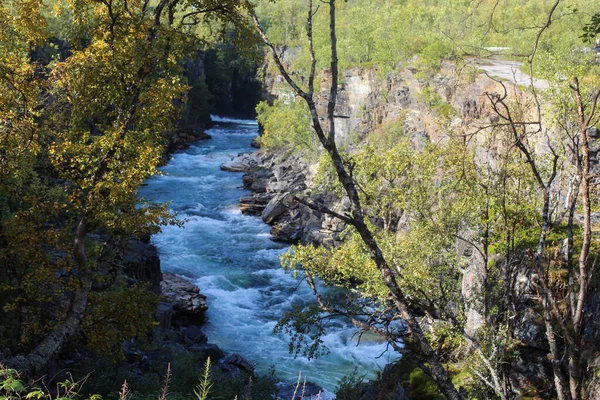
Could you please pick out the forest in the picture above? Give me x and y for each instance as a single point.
(434, 204)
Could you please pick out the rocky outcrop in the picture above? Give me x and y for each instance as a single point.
(365, 103)
(242, 163)
(142, 264)
(195, 118)
(181, 139)
(277, 181)
(188, 304)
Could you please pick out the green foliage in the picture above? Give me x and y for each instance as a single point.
(203, 388)
(592, 29)
(388, 32)
(434, 53)
(422, 386)
(211, 386)
(325, 178)
(245, 387)
(349, 387)
(88, 91)
(304, 326)
(12, 387)
(434, 102)
(123, 313)
(422, 199)
(393, 177)
(10, 382)
(286, 124)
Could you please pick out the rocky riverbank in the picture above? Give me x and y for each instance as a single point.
(180, 316)
(366, 102)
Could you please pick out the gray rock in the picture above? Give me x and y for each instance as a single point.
(194, 335)
(529, 329)
(164, 314)
(209, 350)
(277, 206)
(188, 303)
(242, 163)
(141, 262)
(311, 391)
(238, 362)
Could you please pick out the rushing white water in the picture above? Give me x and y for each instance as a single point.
(234, 262)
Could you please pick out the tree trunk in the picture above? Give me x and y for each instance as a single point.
(437, 370)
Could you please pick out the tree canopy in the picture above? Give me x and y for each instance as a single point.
(88, 90)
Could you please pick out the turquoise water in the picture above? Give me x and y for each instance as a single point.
(232, 259)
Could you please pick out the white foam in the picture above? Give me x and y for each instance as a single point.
(226, 120)
(236, 264)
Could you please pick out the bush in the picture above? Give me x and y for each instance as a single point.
(350, 387)
(286, 124)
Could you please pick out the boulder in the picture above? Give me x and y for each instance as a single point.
(277, 206)
(209, 350)
(310, 390)
(189, 305)
(242, 163)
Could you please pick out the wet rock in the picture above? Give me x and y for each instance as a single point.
(209, 350)
(193, 335)
(310, 390)
(189, 305)
(242, 163)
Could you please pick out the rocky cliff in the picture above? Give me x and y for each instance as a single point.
(427, 105)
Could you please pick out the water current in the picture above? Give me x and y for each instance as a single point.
(232, 259)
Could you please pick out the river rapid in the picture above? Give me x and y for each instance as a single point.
(232, 259)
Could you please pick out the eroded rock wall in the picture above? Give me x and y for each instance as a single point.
(366, 101)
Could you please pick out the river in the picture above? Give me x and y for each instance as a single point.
(232, 259)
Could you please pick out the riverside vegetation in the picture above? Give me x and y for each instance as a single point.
(452, 245)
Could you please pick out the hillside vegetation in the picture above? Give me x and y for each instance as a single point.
(470, 245)
(472, 230)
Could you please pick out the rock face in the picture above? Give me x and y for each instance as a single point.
(188, 304)
(276, 182)
(195, 118)
(365, 103)
(141, 262)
